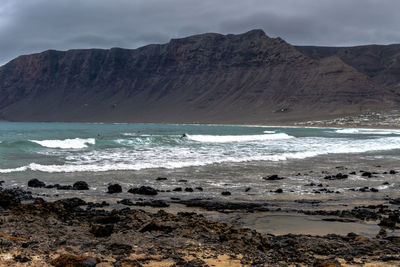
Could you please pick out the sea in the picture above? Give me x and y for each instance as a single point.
(215, 158)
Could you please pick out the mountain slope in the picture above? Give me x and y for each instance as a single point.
(380, 62)
(246, 78)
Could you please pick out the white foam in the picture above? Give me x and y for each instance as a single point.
(269, 132)
(367, 131)
(347, 131)
(19, 169)
(237, 138)
(76, 143)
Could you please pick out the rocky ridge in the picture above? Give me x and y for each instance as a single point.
(245, 78)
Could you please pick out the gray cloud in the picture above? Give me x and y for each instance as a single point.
(36, 25)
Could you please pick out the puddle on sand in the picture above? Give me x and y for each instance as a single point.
(281, 224)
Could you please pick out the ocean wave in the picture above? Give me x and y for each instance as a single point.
(19, 169)
(367, 131)
(76, 143)
(269, 132)
(135, 134)
(125, 160)
(237, 138)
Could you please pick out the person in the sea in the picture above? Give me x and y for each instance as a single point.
(184, 136)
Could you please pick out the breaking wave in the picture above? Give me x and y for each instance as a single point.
(367, 131)
(76, 143)
(237, 138)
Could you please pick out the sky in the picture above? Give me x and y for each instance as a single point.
(30, 26)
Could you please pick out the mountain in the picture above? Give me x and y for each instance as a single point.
(209, 78)
(380, 62)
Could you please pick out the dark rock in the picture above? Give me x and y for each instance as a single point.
(338, 176)
(21, 259)
(155, 226)
(126, 202)
(120, 249)
(279, 190)
(385, 183)
(381, 234)
(63, 187)
(188, 189)
(80, 185)
(199, 188)
(310, 184)
(90, 262)
(114, 188)
(178, 189)
(247, 189)
(70, 203)
(102, 230)
(161, 179)
(10, 197)
(390, 258)
(69, 260)
(1, 183)
(392, 172)
(387, 222)
(143, 190)
(273, 177)
(373, 190)
(366, 174)
(36, 183)
(395, 201)
(153, 203)
(182, 181)
(107, 219)
(353, 173)
(221, 206)
(226, 193)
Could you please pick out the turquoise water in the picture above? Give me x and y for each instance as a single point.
(216, 158)
(89, 147)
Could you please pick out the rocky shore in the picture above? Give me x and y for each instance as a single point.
(73, 232)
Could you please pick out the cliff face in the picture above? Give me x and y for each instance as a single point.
(246, 78)
(380, 62)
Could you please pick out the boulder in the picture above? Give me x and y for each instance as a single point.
(36, 183)
(177, 189)
(226, 193)
(273, 177)
(143, 190)
(366, 174)
(114, 188)
(80, 185)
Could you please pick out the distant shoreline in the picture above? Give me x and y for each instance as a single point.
(269, 125)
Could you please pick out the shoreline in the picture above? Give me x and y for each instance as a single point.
(35, 232)
(167, 229)
(324, 123)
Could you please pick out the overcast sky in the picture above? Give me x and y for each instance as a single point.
(28, 26)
